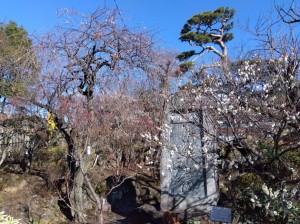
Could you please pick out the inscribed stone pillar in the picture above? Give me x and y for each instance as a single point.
(189, 180)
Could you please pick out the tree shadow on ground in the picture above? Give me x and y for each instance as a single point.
(64, 206)
(124, 200)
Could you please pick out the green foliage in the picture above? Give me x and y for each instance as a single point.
(203, 28)
(227, 37)
(185, 55)
(6, 219)
(272, 205)
(138, 147)
(16, 37)
(196, 38)
(55, 153)
(278, 168)
(17, 59)
(192, 221)
(249, 179)
(49, 156)
(9, 88)
(184, 67)
(101, 188)
(265, 148)
(211, 27)
(293, 158)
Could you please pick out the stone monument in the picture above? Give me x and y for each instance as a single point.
(189, 178)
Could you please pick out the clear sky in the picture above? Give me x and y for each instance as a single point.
(165, 16)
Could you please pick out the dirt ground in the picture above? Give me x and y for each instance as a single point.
(26, 197)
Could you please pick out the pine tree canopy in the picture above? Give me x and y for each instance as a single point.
(17, 59)
(207, 27)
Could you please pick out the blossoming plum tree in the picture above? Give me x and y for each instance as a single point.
(86, 56)
(254, 106)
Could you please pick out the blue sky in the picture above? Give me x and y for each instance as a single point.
(165, 16)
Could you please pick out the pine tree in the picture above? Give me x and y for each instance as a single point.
(205, 30)
(17, 61)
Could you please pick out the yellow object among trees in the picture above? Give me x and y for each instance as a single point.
(51, 123)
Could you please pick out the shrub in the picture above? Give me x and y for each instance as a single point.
(6, 219)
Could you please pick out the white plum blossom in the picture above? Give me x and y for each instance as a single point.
(155, 138)
(196, 166)
(289, 205)
(275, 194)
(265, 189)
(267, 205)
